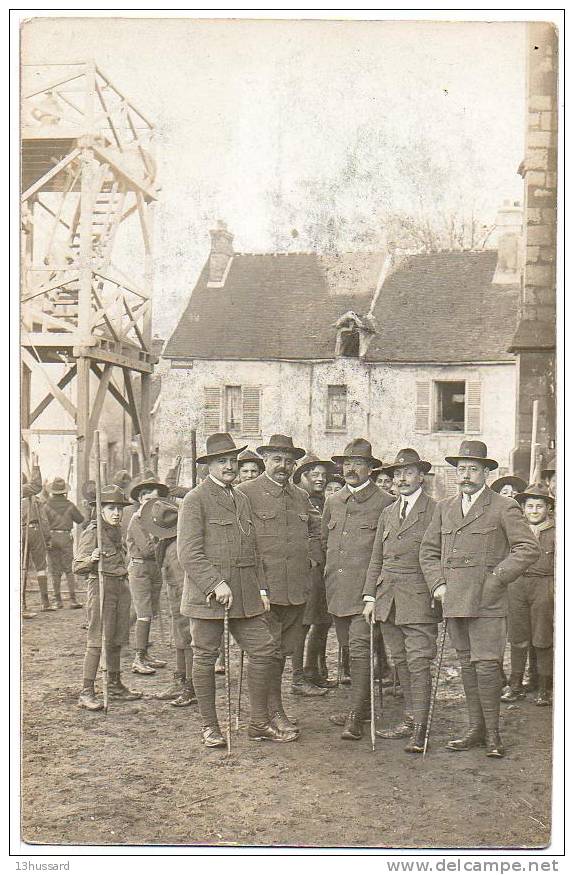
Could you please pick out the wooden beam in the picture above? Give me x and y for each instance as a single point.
(100, 354)
(50, 286)
(36, 367)
(114, 392)
(132, 319)
(123, 97)
(52, 85)
(83, 424)
(39, 339)
(54, 431)
(143, 222)
(62, 383)
(50, 175)
(135, 183)
(98, 402)
(134, 412)
(122, 280)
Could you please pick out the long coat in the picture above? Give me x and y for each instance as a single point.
(464, 551)
(395, 575)
(216, 542)
(287, 529)
(348, 529)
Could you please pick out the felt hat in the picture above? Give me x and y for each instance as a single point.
(359, 448)
(472, 451)
(550, 468)
(219, 444)
(58, 486)
(249, 456)
(111, 495)
(89, 490)
(159, 518)
(148, 483)
(535, 490)
(517, 483)
(282, 442)
(122, 478)
(408, 456)
(309, 461)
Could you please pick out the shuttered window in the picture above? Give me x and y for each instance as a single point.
(212, 409)
(473, 402)
(235, 409)
(423, 406)
(251, 403)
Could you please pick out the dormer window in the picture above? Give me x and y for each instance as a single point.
(349, 342)
(354, 334)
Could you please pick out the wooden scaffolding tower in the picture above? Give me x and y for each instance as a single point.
(88, 194)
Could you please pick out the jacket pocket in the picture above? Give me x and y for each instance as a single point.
(331, 524)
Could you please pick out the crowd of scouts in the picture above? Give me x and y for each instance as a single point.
(284, 544)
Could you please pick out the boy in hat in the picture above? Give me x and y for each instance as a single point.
(311, 474)
(348, 530)
(476, 544)
(396, 596)
(159, 519)
(116, 599)
(35, 534)
(508, 485)
(287, 535)
(334, 483)
(218, 551)
(144, 574)
(531, 600)
(61, 514)
(250, 465)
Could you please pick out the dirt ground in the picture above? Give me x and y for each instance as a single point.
(140, 776)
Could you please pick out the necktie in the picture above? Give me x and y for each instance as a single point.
(404, 511)
(465, 504)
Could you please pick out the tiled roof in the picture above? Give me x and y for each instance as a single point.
(440, 307)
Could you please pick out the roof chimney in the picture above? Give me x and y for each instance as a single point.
(507, 236)
(220, 256)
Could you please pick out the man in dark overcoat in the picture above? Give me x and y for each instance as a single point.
(217, 548)
(476, 544)
(396, 594)
(348, 528)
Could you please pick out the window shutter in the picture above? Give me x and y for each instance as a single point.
(251, 396)
(212, 409)
(423, 404)
(472, 407)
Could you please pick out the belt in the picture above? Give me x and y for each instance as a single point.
(63, 531)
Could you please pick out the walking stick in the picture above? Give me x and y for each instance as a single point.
(227, 677)
(372, 667)
(99, 539)
(394, 680)
(435, 685)
(380, 646)
(339, 666)
(241, 661)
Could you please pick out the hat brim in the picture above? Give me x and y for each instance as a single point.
(509, 480)
(296, 452)
(372, 462)
(92, 503)
(162, 489)
(492, 464)
(423, 466)
(161, 532)
(524, 496)
(209, 457)
(326, 463)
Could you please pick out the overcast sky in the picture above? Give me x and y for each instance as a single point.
(261, 121)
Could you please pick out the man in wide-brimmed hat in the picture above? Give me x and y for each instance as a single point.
(159, 519)
(61, 514)
(218, 551)
(116, 600)
(531, 600)
(476, 544)
(311, 667)
(348, 531)
(144, 573)
(250, 465)
(396, 596)
(35, 535)
(508, 485)
(287, 531)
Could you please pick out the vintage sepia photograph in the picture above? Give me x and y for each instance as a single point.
(289, 431)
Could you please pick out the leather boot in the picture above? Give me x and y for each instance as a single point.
(493, 744)
(353, 729)
(302, 687)
(402, 730)
(532, 676)
(211, 736)
(56, 585)
(88, 698)
(473, 737)
(140, 665)
(416, 743)
(187, 696)
(544, 697)
(515, 690)
(269, 732)
(152, 661)
(174, 690)
(315, 663)
(282, 722)
(117, 690)
(43, 587)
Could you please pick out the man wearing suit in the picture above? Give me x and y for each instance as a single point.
(217, 549)
(288, 541)
(396, 595)
(476, 544)
(348, 527)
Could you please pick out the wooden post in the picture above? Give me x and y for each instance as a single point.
(533, 439)
(193, 457)
(83, 426)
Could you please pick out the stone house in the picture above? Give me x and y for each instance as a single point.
(330, 347)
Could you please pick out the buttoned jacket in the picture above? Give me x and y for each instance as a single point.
(215, 542)
(287, 528)
(464, 551)
(112, 547)
(348, 529)
(544, 566)
(394, 575)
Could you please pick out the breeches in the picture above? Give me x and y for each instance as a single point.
(145, 587)
(116, 611)
(414, 644)
(284, 625)
(483, 637)
(251, 633)
(353, 632)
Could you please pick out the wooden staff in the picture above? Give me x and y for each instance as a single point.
(372, 678)
(435, 685)
(339, 666)
(193, 457)
(227, 677)
(240, 687)
(381, 651)
(140, 451)
(99, 538)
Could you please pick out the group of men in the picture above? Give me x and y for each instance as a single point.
(259, 544)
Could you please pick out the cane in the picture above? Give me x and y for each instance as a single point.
(103, 656)
(339, 666)
(380, 648)
(372, 667)
(237, 716)
(435, 685)
(395, 680)
(227, 677)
